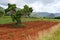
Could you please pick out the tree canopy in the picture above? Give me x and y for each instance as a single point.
(27, 10)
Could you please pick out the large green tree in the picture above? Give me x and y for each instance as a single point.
(15, 15)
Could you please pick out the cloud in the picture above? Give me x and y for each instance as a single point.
(3, 6)
(46, 1)
(52, 6)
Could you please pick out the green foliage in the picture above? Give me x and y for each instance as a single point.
(15, 15)
(10, 7)
(27, 10)
(30, 10)
(6, 10)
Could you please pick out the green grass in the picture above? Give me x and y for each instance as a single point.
(7, 19)
(4, 20)
(53, 36)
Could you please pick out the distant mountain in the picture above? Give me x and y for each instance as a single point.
(39, 14)
(57, 14)
(44, 14)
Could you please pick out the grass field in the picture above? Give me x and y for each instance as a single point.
(7, 19)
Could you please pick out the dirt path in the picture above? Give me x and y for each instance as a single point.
(32, 31)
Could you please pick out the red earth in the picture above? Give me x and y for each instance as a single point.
(8, 32)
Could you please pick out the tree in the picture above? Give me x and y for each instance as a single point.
(15, 15)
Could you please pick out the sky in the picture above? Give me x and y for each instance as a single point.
(51, 6)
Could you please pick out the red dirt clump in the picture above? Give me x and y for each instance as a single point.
(7, 32)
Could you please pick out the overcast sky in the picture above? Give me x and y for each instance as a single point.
(52, 6)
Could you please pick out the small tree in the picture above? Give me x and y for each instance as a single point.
(15, 15)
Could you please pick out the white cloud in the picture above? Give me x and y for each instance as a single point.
(52, 6)
(12, 1)
(3, 6)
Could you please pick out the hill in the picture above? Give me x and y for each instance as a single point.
(44, 14)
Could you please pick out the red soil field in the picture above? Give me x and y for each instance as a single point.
(30, 30)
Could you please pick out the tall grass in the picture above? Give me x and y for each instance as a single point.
(53, 36)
